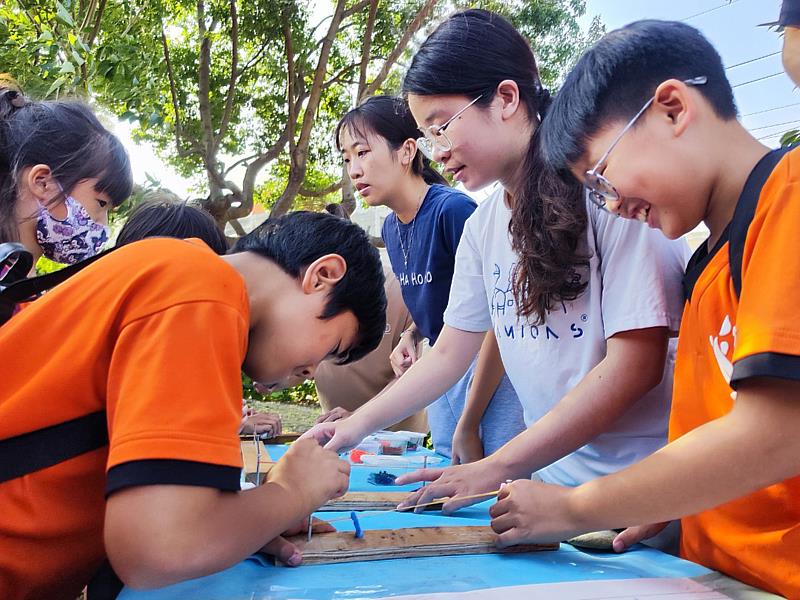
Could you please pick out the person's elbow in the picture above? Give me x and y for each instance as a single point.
(640, 355)
(653, 372)
(146, 564)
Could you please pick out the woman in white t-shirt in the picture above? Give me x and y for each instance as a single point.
(582, 304)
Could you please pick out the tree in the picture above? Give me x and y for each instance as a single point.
(234, 93)
(249, 84)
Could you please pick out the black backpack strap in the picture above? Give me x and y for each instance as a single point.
(29, 289)
(746, 210)
(15, 263)
(43, 448)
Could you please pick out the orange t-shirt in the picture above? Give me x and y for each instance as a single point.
(154, 334)
(724, 340)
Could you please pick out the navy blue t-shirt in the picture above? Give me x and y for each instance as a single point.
(430, 242)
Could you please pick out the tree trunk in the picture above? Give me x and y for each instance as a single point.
(349, 201)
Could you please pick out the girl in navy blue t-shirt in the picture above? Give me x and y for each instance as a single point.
(377, 142)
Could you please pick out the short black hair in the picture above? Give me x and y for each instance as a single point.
(295, 240)
(616, 76)
(172, 219)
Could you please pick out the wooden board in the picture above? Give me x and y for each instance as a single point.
(383, 544)
(365, 501)
(285, 438)
(250, 460)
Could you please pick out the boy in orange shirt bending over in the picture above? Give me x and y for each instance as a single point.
(647, 122)
(121, 401)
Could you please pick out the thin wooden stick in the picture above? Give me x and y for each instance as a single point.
(374, 513)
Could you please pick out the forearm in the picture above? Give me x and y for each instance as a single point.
(489, 372)
(633, 365)
(754, 446)
(158, 535)
(424, 382)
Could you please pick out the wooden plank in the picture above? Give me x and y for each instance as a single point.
(384, 544)
(365, 501)
(250, 460)
(285, 438)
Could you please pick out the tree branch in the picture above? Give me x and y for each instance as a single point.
(97, 19)
(30, 17)
(182, 152)
(88, 15)
(239, 162)
(401, 45)
(365, 49)
(336, 185)
(338, 77)
(203, 77)
(252, 171)
(231, 93)
(355, 8)
(291, 78)
(254, 59)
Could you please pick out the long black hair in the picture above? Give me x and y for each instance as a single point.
(469, 54)
(67, 137)
(388, 117)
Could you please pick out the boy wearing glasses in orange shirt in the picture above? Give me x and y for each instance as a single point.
(731, 469)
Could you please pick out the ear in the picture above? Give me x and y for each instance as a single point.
(407, 152)
(508, 95)
(39, 182)
(676, 104)
(322, 274)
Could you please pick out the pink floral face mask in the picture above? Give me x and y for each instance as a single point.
(75, 238)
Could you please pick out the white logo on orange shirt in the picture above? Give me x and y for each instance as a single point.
(723, 349)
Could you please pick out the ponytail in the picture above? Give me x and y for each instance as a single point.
(548, 222)
(427, 171)
(11, 100)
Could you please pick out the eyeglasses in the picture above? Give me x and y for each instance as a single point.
(601, 190)
(434, 138)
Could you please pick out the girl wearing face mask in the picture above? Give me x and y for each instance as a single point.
(61, 172)
(582, 303)
(377, 143)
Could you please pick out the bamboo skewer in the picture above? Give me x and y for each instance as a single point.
(374, 513)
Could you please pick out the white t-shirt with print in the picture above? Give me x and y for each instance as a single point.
(635, 276)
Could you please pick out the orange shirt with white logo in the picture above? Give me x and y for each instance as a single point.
(725, 339)
(154, 334)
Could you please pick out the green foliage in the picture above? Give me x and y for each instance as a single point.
(304, 394)
(114, 53)
(790, 137)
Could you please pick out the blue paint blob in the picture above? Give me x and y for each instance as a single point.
(356, 524)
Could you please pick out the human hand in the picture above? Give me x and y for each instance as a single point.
(634, 535)
(333, 415)
(284, 550)
(467, 445)
(311, 474)
(404, 354)
(264, 424)
(531, 512)
(339, 436)
(462, 480)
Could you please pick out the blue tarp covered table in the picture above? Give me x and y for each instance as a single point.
(256, 579)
